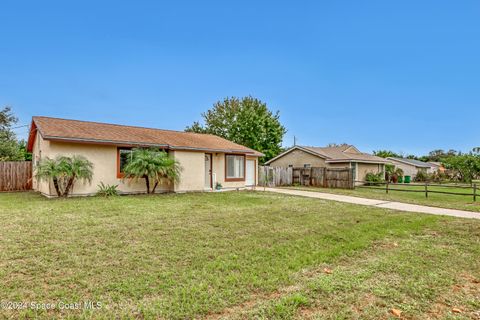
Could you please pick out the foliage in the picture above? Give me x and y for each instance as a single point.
(218, 186)
(374, 178)
(438, 155)
(107, 190)
(152, 165)
(399, 172)
(386, 154)
(421, 176)
(64, 172)
(10, 149)
(463, 167)
(246, 121)
(333, 145)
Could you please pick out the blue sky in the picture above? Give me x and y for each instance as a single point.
(401, 75)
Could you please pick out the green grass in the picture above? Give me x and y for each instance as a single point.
(434, 199)
(233, 255)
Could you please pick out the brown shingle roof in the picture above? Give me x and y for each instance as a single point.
(343, 153)
(338, 154)
(104, 133)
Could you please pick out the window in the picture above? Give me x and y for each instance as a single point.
(234, 167)
(307, 165)
(124, 155)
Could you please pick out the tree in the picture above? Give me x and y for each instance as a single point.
(246, 121)
(9, 146)
(386, 154)
(64, 172)
(152, 165)
(466, 167)
(336, 145)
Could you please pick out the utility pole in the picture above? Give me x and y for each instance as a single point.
(294, 141)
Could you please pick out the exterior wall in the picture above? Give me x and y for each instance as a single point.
(218, 169)
(104, 159)
(298, 158)
(192, 177)
(40, 150)
(408, 170)
(364, 168)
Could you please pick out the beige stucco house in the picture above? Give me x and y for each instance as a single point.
(205, 159)
(344, 156)
(411, 167)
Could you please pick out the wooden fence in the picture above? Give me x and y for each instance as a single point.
(314, 176)
(15, 175)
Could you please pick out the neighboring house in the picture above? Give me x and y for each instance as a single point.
(410, 167)
(345, 156)
(205, 159)
(436, 166)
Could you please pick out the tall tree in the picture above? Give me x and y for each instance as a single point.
(10, 149)
(246, 121)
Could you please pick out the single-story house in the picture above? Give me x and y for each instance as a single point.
(205, 159)
(410, 167)
(437, 166)
(344, 156)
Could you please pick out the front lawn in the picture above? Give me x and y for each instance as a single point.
(233, 255)
(461, 202)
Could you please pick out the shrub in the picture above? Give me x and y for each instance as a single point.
(106, 190)
(374, 178)
(421, 176)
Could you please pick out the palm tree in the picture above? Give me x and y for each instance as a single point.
(48, 169)
(65, 171)
(152, 165)
(76, 168)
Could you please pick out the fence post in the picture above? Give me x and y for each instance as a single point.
(386, 187)
(474, 192)
(325, 177)
(426, 189)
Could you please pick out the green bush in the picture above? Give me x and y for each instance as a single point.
(106, 190)
(422, 176)
(374, 178)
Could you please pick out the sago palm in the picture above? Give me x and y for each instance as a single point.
(152, 165)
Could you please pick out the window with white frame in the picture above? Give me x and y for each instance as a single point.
(235, 167)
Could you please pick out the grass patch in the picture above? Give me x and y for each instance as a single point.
(210, 255)
(434, 199)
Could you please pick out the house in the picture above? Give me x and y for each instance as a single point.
(205, 159)
(437, 166)
(410, 167)
(344, 156)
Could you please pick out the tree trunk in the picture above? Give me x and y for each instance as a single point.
(155, 186)
(147, 181)
(69, 186)
(57, 188)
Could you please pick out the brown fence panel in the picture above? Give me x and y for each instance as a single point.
(15, 175)
(314, 176)
(340, 178)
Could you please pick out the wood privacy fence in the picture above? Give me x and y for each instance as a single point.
(15, 175)
(314, 176)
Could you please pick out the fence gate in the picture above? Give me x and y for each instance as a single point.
(15, 175)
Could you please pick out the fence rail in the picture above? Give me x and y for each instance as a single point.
(314, 176)
(15, 175)
(388, 187)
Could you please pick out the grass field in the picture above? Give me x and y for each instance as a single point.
(234, 255)
(434, 199)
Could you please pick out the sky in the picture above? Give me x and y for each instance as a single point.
(397, 75)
